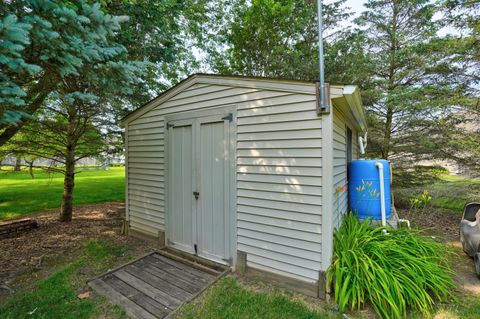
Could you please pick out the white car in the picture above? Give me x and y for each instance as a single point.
(470, 233)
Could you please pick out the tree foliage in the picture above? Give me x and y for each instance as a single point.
(58, 40)
(158, 32)
(408, 90)
(448, 128)
(418, 83)
(272, 38)
(14, 37)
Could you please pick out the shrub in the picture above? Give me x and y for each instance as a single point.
(420, 201)
(117, 165)
(417, 176)
(394, 270)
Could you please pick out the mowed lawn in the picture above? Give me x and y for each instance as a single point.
(21, 195)
(448, 193)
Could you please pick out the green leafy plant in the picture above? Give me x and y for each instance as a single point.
(394, 270)
(420, 201)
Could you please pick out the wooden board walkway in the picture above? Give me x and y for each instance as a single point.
(154, 286)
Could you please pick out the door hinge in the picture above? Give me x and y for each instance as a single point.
(196, 249)
(169, 125)
(229, 117)
(228, 260)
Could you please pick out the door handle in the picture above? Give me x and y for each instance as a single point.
(196, 194)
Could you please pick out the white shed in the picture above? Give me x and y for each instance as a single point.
(244, 172)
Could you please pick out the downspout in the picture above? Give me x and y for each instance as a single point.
(362, 144)
(382, 193)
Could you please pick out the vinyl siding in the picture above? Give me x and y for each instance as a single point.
(339, 167)
(340, 123)
(279, 179)
(278, 172)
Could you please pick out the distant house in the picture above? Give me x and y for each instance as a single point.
(244, 172)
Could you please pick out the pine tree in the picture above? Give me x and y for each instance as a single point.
(272, 38)
(84, 73)
(406, 89)
(41, 43)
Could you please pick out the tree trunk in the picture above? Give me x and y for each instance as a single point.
(387, 133)
(30, 168)
(18, 164)
(68, 185)
(69, 180)
(387, 136)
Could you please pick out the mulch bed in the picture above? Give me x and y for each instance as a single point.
(445, 225)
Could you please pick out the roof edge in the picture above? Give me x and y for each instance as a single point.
(354, 100)
(295, 86)
(172, 91)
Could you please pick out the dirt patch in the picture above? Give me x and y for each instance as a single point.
(29, 255)
(438, 223)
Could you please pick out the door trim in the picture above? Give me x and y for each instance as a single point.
(184, 117)
(230, 108)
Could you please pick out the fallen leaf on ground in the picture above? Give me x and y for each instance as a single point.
(84, 295)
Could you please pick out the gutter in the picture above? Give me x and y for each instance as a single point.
(354, 100)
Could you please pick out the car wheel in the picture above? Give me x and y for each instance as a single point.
(476, 260)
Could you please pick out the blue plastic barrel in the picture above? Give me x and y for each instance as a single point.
(364, 188)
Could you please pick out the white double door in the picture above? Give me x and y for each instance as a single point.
(199, 215)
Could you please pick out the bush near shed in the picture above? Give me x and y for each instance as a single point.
(394, 270)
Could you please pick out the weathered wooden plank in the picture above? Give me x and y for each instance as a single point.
(154, 293)
(198, 262)
(187, 268)
(131, 308)
(12, 227)
(190, 285)
(145, 273)
(183, 274)
(152, 306)
(120, 286)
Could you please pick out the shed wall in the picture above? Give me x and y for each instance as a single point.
(279, 173)
(340, 123)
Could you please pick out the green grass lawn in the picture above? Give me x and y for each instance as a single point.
(449, 193)
(20, 194)
(56, 296)
(229, 299)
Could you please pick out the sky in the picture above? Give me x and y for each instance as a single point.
(356, 5)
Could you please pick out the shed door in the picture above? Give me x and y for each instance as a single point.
(213, 214)
(204, 208)
(181, 229)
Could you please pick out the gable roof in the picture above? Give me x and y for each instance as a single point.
(348, 92)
